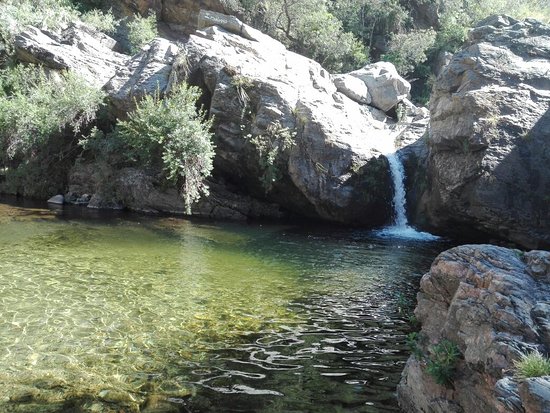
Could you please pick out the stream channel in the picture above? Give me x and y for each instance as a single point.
(132, 313)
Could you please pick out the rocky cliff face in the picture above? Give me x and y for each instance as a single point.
(257, 88)
(492, 303)
(489, 135)
(286, 131)
(181, 15)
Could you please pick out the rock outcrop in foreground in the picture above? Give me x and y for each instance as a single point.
(490, 135)
(494, 304)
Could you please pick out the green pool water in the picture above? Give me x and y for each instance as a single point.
(148, 314)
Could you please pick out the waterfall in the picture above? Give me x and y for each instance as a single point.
(399, 200)
(400, 227)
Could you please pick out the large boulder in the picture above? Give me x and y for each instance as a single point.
(259, 91)
(98, 185)
(384, 84)
(489, 135)
(91, 54)
(78, 47)
(146, 73)
(492, 303)
(353, 88)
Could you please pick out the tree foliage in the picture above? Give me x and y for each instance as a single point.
(407, 50)
(308, 27)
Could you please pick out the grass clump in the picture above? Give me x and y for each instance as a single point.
(533, 364)
(171, 129)
(270, 146)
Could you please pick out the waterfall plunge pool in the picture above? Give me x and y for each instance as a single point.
(142, 314)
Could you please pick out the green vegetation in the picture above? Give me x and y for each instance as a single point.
(343, 34)
(412, 343)
(441, 362)
(172, 130)
(40, 115)
(270, 145)
(34, 106)
(102, 21)
(407, 50)
(44, 114)
(54, 15)
(141, 30)
(15, 15)
(308, 27)
(533, 364)
(242, 83)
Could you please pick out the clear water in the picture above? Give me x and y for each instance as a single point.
(141, 314)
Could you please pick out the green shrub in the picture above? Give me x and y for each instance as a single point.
(44, 14)
(533, 364)
(141, 30)
(309, 28)
(171, 130)
(441, 362)
(102, 21)
(270, 146)
(34, 106)
(39, 117)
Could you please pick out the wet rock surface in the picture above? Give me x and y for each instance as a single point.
(493, 303)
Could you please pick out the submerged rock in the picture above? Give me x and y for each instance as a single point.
(490, 125)
(492, 303)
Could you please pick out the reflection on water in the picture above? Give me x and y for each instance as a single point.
(166, 315)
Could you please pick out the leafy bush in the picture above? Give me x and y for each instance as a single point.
(34, 106)
(102, 21)
(44, 14)
(172, 130)
(270, 145)
(442, 361)
(141, 30)
(39, 116)
(533, 364)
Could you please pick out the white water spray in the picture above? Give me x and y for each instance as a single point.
(399, 200)
(400, 227)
